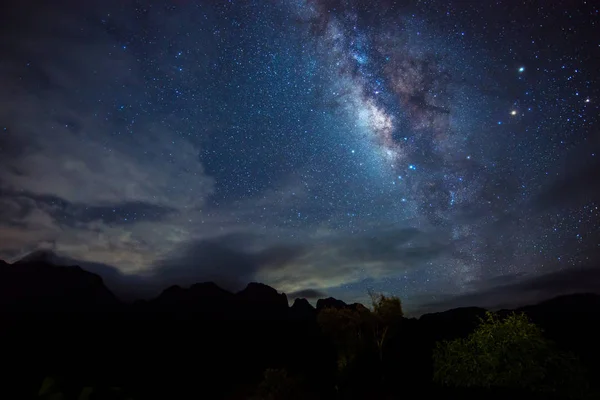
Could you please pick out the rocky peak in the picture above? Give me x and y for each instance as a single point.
(330, 302)
(49, 287)
(302, 309)
(262, 294)
(41, 256)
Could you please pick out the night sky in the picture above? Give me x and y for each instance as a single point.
(437, 151)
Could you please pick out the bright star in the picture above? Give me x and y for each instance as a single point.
(522, 69)
(412, 167)
(513, 112)
(587, 100)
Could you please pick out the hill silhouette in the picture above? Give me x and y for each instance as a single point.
(206, 341)
(40, 286)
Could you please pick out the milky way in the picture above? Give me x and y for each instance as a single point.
(436, 151)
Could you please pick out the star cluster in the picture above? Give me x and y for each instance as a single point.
(426, 149)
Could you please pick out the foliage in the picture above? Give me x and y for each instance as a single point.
(508, 353)
(387, 315)
(360, 335)
(388, 309)
(278, 385)
(343, 326)
(51, 389)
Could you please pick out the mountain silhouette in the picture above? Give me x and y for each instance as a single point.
(204, 339)
(38, 285)
(43, 256)
(125, 287)
(37, 281)
(204, 297)
(302, 309)
(330, 302)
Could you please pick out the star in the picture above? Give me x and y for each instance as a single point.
(228, 132)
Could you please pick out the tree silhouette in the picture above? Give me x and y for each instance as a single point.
(278, 385)
(386, 318)
(359, 336)
(343, 327)
(55, 389)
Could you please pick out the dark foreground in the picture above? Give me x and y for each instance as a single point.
(206, 343)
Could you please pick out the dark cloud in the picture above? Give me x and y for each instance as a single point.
(570, 184)
(578, 185)
(76, 213)
(517, 290)
(310, 294)
(232, 261)
(280, 254)
(216, 260)
(341, 259)
(378, 245)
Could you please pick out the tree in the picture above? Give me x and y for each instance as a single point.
(386, 318)
(343, 326)
(54, 389)
(359, 336)
(508, 353)
(278, 385)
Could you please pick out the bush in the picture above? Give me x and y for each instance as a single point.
(508, 353)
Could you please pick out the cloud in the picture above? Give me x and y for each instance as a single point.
(219, 260)
(100, 154)
(51, 159)
(310, 294)
(84, 168)
(518, 290)
(91, 174)
(579, 186)
(342, 259)
(33, 224)
(233, 260)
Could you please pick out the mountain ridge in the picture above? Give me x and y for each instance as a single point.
(65, 319)
(203, 295)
